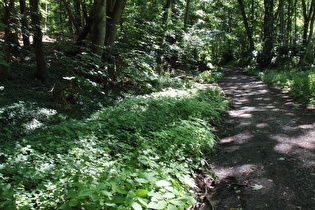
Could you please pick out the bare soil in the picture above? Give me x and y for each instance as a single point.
(265, 158)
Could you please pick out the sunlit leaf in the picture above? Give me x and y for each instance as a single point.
(141, 192)
(171, 207)
(257, 187)
(136, 206)
(162, 183)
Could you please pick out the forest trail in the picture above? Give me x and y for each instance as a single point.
(265, 158)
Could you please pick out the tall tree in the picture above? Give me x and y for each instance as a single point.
(114, 11)
(24, 23)
(71, 17)
(247, 28)
(268, 37)
(99, 27)
(310, 35)
(41, 68)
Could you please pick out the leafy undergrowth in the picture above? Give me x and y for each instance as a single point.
(300, 84)
(137, 154)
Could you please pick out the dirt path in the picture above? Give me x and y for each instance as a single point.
(265, 159)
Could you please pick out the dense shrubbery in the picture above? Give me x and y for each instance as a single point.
(139, 153)
(300, 84)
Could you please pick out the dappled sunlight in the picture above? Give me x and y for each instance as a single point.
(235, 171)
(266, 140)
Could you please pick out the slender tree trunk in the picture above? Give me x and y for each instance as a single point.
(24, 23)
(10, 20)
(89, 23)
(247, 28)
(84, 13)
(99, 28)
(71, 17)
(77, 11)
(114, 12)
(41, 69)
(306, 17)
(267, 52)
(310, 35)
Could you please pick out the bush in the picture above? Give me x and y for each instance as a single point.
(299, 84)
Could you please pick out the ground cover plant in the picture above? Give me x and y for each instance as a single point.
(139, 153)
(300, 84)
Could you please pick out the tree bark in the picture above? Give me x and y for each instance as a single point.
(267, 52)
(99, 28)
(71, 17)
(310, 35)
(247, 28)
(114, 12)
(41, 69)
(10, 20)
(24, 23)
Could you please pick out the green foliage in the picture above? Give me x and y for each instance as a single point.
(210, 76)
(300, 84)
(138, 154)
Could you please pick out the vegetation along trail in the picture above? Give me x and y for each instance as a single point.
(265, 159)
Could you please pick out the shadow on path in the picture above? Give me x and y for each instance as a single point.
(265, 158)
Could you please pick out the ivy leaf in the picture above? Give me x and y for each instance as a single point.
(257, 187)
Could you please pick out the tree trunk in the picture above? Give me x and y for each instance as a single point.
(267, 52)
(247, 28)
(89, 23)
(24, 23)
(41, 69)
(77, 11)
(114, 12)
(71, 17)
(10, 20)
(99, 28)
(306, 17)
(310, 35)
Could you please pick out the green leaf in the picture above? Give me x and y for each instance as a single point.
(171, 207)
(136, 206)
(156, 195)
(94, 197)
(141, 192)
(257, 187)
(161, 205)
(106, 193)
(119, 199)
(2, 25)
(152, 205)
(129, 199)
(169, 195)
(73, 202)
(162, 183)
(141, 180)
(83, 193)
(143, 201)
(177, 202)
